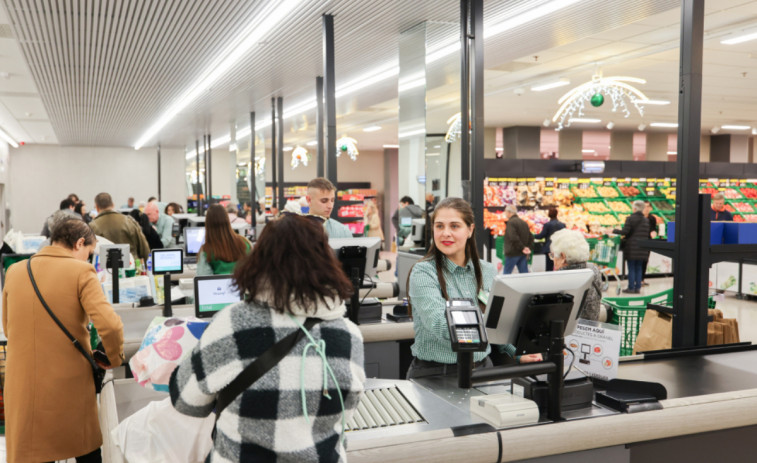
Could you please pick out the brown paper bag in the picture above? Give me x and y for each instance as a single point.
(715, 333)
(655, 333)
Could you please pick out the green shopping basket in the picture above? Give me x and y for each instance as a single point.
(628, 313)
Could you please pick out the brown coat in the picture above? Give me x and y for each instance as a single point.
(50, 402)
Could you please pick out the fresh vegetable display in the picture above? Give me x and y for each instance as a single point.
(619, 206)
(595, 207)
(750, 193)
(584, 192)
(607, 192)
(743, 207)
(629, 191)
(662, 205)
(730, 193)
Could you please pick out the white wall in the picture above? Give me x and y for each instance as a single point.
(43, 175)
(4, 190)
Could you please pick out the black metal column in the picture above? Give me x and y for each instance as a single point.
(197, 177)
(320, 160)
(209, 172)
(280, 153)
(159, 195)
(690, 299)
(476, 175)
(465, 97)
(251, 173)
(330, 96)
(274, 188)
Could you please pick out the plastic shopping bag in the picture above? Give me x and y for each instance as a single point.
(158, 433)
(166, 343)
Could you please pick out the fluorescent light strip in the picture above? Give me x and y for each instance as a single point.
(654, 102)
(587, 151)
(585, 120)
(372, 128)
(740, 39)
(388, 71)
(551, 85)
(312, 143)
(672, 152)
(4, 135)
(667, 125)
(735, 127)
(264, 21)
(412, 133)
(287, 148)
(391, 146)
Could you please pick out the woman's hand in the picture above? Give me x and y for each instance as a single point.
(530, 358)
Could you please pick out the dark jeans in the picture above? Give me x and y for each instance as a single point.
(421, 368)
(92, 457)
(550, 263)
(634, 274)
(644, 270)
(521, 262)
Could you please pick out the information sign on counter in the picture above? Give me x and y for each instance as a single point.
(596, 346)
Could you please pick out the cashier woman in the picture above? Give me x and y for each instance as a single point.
(451, 269)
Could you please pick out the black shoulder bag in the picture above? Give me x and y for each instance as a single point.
(97, 373)
(259, 367)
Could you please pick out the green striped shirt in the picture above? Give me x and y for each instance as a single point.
(336, 229)
(432, 341)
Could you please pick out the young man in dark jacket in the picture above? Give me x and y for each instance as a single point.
(635, 230)
(547, 231)
(518, 242)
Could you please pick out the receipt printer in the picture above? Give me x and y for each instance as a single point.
(578, 390)
(505, 410)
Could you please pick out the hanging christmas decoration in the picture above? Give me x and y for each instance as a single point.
(617, 89)
(347, 145)
(455, 128)
(300, 155)
(259, 166)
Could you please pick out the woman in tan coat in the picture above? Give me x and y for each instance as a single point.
(50, 401)
(372, 220)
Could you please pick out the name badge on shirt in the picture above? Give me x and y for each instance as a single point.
(483, 297)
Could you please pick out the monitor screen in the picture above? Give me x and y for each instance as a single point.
(167, 260)
(406, 221)
(516, 302)
(372, 244)
(213, 293)
(194, 238)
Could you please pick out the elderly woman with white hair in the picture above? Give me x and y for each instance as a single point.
(570, 251)
(635, 230)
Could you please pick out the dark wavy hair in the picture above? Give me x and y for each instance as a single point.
(69, 231)
(292, 263)
(471, 254)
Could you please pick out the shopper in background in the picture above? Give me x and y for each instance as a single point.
(518, 242)
(403, 217)
(293, 412)
(74, 197)
(129, 203)
(652, 235)
(173, 208)
(718, 212)
(546, 233)
(81, 209)
(321, 196)
(635, 230)
(372, 220)
(65, 211)
(163, 224)
(450, 269)
(223, 247)
(50, 401)
(570, 251)
(118, 228)
(148, 229)
(231, 210)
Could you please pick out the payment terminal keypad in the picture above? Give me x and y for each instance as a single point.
(468, 335)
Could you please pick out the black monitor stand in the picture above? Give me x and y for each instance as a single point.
(353, 260)
(167, 311)
(114, 263)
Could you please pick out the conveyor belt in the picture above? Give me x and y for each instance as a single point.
(383, 407)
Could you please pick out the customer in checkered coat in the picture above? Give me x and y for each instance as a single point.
(290, 275)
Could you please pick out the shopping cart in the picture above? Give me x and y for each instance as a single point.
(603, 252)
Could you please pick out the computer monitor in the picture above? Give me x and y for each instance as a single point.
(406, 221)
(521, 306)
(194, 238)
(213, 293)
(104, 254)
(372, 245)
(167, 261)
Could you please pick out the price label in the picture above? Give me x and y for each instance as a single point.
(549, 184)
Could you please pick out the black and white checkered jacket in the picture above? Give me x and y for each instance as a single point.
(266, 422)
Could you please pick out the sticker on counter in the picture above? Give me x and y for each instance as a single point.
(596, 346)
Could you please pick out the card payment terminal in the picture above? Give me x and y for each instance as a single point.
(466, 326)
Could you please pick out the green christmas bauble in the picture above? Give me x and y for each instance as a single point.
(597, 100)
(343, 147)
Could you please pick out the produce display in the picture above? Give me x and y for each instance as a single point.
(619, 206)
(607, 192)
(630, 191)
(661, 205)
(707, 190)
(750, 217)
(596, 207)
(750, 193)
(742, 206)
(584, 192)
(730, 193)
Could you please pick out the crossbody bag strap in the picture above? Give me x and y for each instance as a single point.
(261, 366)
(70, 337)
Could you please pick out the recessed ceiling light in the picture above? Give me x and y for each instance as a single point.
(610, 125)
(550, 85)
(287, 148)
(391, 146)
(587, 151)
(740, 39)
(736, 127)
(4, 135)
(585, 120)
(715, 130)
(672, 152)
(372, 128)
(642, 127)
(667, 125)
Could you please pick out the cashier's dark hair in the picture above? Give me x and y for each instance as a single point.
(471, 254)
(292, 263)
(69, 231)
